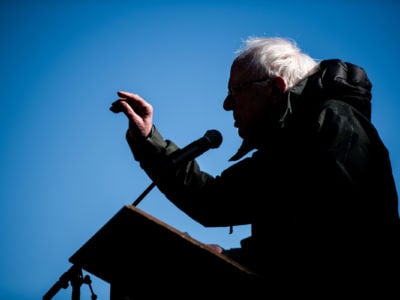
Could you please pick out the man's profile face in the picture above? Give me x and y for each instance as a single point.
(248, 99)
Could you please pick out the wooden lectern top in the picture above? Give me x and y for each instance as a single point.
(136, 249)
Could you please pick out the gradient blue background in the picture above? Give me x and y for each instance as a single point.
(65, 166)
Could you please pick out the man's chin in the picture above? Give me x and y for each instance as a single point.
(241, 133)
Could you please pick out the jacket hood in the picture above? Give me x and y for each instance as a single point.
(336, 79)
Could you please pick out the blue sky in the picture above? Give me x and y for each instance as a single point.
(65, 166)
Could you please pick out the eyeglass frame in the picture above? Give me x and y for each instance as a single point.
(242, 84)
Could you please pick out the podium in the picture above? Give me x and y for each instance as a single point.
(143, 257)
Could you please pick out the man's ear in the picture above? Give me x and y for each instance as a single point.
(278, 89)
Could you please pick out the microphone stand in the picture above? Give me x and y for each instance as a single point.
(211, 139)
(142, 195)
(75, 277)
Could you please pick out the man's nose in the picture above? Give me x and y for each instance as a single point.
(228, 103)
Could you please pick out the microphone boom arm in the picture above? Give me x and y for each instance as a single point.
(212, 139)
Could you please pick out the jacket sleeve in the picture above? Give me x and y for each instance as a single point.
(210, 200)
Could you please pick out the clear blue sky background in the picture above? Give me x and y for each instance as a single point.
(65, 166)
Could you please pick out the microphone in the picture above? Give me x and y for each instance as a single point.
(212, 139)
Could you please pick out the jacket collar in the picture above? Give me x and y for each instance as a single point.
(289, 102)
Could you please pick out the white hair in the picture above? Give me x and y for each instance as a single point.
(277, 57)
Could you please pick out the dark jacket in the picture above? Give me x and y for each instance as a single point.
(317, 193)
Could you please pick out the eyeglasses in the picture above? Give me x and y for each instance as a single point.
(234, 89)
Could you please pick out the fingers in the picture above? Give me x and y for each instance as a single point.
(215, 247)
(131, 99)
(124, 94)
(116, 107)
(138, 111)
